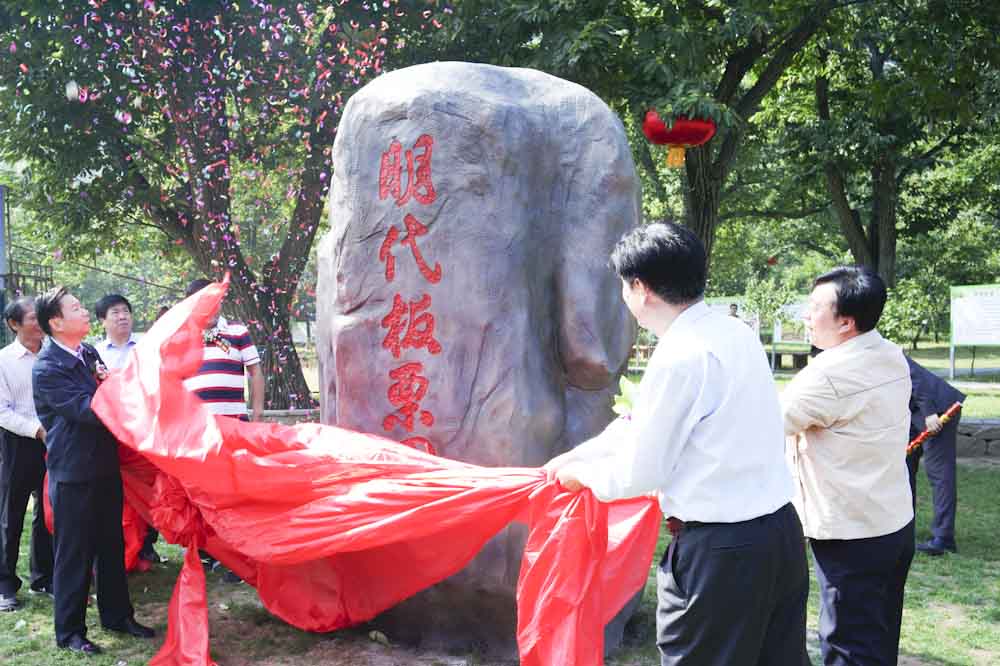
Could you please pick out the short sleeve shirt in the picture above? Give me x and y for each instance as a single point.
(220, 382)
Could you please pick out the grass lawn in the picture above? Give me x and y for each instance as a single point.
(934, 356)
(952, 615)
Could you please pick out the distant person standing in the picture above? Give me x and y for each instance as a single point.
(22, 458)
(932, 396)
(734, 310)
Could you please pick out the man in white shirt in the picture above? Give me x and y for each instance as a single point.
(114, 311)
(847, 415)
(115, 314)
(22, 458)
(704, 435)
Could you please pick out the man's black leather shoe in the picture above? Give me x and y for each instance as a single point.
(42, 590)
(132, 628)
(935, 547)
(77, 643)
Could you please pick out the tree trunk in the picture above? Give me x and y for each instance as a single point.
(285, 384)
(196, 104)
(702, 196)
(883, 220)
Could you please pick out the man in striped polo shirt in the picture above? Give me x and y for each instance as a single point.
(229, 356)
(220, 382)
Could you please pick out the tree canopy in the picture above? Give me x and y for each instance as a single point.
(212, 122)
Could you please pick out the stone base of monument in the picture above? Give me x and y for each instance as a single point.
(453, 618)
(461, 615)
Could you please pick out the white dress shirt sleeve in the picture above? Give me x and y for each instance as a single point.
(10, 420)
(603, 444)
(808, 401)
(673, 398)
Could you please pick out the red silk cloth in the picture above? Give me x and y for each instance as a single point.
(333, 526)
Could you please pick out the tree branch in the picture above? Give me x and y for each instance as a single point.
(782, 58)
(925, 158)
(776, 213)
(815, 247)
(848, 218)
(737, 67)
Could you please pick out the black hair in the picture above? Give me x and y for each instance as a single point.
(197, 285)
(109, 301)
(16, 309)
(861, 294)
(668, 258)
(47, 306)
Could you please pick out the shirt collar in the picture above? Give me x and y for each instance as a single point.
(688, 318)
(108, 344)
(20, 351)
(78, 352)
(867, 339)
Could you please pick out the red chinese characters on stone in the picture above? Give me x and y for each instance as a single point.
(405, 394)
(418, 182)
(420, 444)
(413, 229)
(409, 326)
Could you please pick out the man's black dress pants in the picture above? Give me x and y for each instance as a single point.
(861, 584)
(22, 469)
(88, 525)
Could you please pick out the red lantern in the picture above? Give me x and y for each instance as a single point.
(685, 133)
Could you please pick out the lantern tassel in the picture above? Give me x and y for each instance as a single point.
(675, 157)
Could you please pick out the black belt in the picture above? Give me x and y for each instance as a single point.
(676, 525)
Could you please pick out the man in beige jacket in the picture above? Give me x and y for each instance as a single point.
(847, 417)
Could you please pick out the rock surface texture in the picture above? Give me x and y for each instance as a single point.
(464, 304)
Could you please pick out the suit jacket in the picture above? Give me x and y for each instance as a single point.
(930, 395)
(79, 447)
(846, 413)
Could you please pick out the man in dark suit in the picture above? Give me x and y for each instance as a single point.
(931, 397)
(85, 483)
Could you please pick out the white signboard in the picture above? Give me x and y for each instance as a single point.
(975, 315)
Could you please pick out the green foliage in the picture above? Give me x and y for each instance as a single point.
(879, 98)
(766, 297)
(625, 400)
(908, 312)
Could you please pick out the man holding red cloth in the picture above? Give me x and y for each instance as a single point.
(705, 435)
(847, 418)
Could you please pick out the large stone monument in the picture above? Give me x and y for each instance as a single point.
(465, 306)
